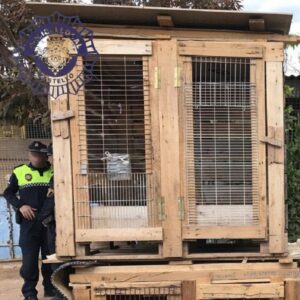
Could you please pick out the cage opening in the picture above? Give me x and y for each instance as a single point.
(221, 144)
(223, 246)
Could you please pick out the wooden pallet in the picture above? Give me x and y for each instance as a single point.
(188, 281)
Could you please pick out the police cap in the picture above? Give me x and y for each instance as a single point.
(37, 146)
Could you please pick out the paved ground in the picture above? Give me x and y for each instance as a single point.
(11, 282)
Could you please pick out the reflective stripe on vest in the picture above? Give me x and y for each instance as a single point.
(28, 177)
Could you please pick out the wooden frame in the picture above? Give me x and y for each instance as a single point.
(167, 61)
(198, 281)
(275, 116)
(255, 52)
(84, 232)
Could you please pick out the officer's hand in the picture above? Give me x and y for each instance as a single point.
(28, 212)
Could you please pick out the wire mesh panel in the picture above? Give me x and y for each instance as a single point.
(139, 293)
(115, 145)
(221, 143)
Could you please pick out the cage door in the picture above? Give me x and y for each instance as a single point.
(114, 187)
(223, 115)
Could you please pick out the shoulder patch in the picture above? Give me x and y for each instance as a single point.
(28, 177)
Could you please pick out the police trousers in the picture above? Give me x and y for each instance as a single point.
(33, 240)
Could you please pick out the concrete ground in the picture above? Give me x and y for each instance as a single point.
(11, 282)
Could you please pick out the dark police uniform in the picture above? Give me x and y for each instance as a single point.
(32, 184)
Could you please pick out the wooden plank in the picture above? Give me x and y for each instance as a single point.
(62, 115)
(188, 33)
(257, 24)
(124, 47)
(155, 137)
(206, 267)
(152, 208)
(188, 290)
(261, 132)
(165, 21)
(188, 188)
(113, 234)
(274, 52)
(80, 293)
(65, 245)
(292, 289)
(234, 291)
(169, 145)
(250, 272)
(77, 124)
(228, 49)
(275, 121)
(258, 116)
(223, 232)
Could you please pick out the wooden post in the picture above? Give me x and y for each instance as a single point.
(81, 293)
(62, 180)
(188, 185)
(169, 144)
(275, 127)
(188, 290)
(258, 125)
(155, 138)
(292, 289)
(79, 154)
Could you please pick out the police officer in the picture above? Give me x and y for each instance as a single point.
(31, 183)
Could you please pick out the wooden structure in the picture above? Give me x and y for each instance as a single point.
(174, 154)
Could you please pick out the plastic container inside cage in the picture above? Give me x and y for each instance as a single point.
(118, 166)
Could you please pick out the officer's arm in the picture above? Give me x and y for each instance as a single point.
(48, 205)
(11, 192)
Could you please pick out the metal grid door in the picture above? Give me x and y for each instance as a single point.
(221, 143)
(115, 146)
(136, 291)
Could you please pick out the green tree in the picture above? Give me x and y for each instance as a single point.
(292, 129)
(17, 103)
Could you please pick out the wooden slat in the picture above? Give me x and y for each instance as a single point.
(169, 145)
(65, 245)
(274, 52)
(124, 234)
(187, 143)
(205, 273)
(292, 289)
(259, 118)
(188, 290)
(155, 137)
(125, 47)
(275, 121)
(78, 141)
(81, 293)
(165, 21)
(261, 123)
(234, 291)
(219, 49)
(195, 34)
(223, 232)
(257, 24)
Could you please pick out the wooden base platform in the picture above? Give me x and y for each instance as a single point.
(185, 280)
